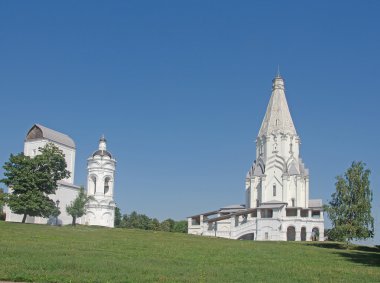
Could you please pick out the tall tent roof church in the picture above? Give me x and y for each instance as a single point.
(277, 205)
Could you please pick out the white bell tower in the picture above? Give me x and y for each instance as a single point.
(100, 185)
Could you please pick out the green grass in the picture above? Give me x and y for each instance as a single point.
(88, 254)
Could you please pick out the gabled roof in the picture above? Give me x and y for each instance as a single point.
(277, 117)
(41, 132)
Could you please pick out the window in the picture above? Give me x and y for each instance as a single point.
(106, 185)
(293, 202)
(291, 212)
(267, 213)
(196, 221)
(266, 236)
(304, 213)
(257, 203)
(316, 214)
(274, 190)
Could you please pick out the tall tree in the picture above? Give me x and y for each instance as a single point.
(117, 221)
(180, 226)
(350, 207)
(2, 199)
(167, 225)
(77, 207)
(2, 202)
(31, 180)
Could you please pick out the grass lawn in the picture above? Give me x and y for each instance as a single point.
(42, 253)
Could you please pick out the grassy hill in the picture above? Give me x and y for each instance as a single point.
(88, 254)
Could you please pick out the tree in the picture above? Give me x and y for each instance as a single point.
(31, 180)
(155, 225)
(2, 202)
(117, 221)
(77, 207)
(180, 226)
(350, 207)
(167, 225)
(2, 199)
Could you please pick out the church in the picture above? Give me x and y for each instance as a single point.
(101, 168)
(277, 204)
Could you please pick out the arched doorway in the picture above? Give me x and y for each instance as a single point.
(249, 237)
(291, 234)
(303, 234)
(315, 234)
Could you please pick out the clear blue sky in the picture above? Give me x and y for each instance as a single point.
(180, 88)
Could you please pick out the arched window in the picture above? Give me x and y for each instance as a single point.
(93, 184)
(274, 190)
(291, 233)
(106, 185)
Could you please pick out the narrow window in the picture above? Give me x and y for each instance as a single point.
(293, 202)
(257, 203)
(274, 190)
(106, 185)
(266, 235)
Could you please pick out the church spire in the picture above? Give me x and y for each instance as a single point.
(278, 71)
(277, 117)
(102, 143)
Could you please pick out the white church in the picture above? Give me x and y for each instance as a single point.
(277, 206)
(101, 168)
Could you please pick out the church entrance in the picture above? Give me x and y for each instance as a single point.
(303, 234)
(315, 234)
(291, 234)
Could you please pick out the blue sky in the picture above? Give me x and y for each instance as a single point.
(180, 88)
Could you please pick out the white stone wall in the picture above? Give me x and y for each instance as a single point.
(65, 194)
(31, 149)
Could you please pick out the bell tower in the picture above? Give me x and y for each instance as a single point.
(101, 168)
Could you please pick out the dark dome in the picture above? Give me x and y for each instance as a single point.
(102, 153)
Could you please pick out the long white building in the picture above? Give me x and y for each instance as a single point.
(277, 203)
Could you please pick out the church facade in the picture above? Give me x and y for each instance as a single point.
(99, 165)
(277, 205)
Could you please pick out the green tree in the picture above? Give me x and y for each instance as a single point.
(155, 224)
(77, 207)
(180, 226)
(2, 202)
(117, 221)
(31, 180)
(2, 199)
(350, 207)
(167, 225)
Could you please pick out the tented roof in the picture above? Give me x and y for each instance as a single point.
(277, 117)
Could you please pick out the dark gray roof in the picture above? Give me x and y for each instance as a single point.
(234, 206)
(205, 214)
(102, 153)
(41, 132)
